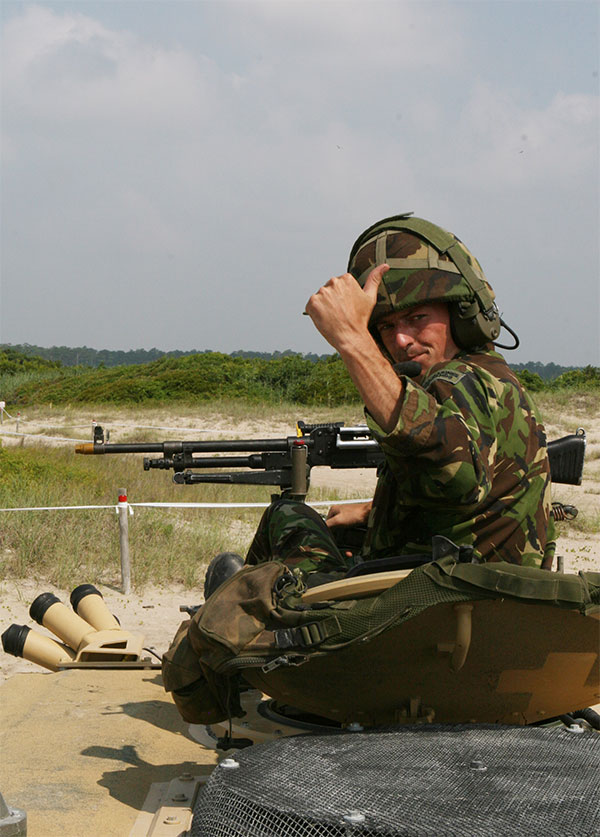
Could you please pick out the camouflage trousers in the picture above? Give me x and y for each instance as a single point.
(297, 535)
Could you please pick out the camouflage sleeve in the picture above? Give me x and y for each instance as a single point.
(444, 443)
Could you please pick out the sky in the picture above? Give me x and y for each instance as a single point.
(185, 175)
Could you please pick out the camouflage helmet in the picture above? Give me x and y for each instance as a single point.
(427, 264)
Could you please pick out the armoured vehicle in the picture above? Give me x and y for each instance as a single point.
(446, 697)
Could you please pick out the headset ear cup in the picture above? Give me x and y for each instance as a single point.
(470, 327)
(457, 327)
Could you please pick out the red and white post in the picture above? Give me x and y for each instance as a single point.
(123, 510)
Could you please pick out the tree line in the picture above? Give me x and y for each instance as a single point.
(291, 377)
(85, 356)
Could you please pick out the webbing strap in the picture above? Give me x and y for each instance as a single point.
(413, 264)
(513, 580)
(304, 636)
(447, 243)
(380, 248)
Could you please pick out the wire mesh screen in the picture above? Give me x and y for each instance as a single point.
(411, 781)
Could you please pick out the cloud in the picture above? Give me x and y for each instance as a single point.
(240, 169)
(121, 117)
(361, 37)
(70, 67)
(504, 144)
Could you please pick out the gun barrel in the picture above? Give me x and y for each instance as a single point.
(170, 448)
(95, 448)
(87, 448)
(238, 445)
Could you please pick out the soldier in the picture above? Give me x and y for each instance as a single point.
(464, 445)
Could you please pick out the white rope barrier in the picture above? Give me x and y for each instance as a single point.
(154, 427)
(157, 505)
(40, 436)
(124, 508)
(238, 505)
(92, 423)
(182, 430)
(54, 508)
(177, 429)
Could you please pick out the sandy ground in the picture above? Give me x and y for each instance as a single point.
(155, 612)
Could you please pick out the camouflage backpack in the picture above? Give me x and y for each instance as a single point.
(368, 655)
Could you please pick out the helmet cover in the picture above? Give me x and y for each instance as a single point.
(419, 271)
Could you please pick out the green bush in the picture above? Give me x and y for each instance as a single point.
(12, 362)
(195, 378)
(531, 380)
(26, 470)
(210, 376)
(587, 378)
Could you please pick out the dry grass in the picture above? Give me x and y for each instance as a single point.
(167, 545)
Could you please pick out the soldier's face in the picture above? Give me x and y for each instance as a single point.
(421, 333)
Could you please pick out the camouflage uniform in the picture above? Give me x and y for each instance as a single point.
(467, 458)
(296, 534)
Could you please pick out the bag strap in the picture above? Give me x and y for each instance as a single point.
(507, 579)
(308, 635)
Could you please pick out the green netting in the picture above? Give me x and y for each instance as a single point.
(403, 601)
(446, 581)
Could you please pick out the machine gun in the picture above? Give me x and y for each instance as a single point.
(279, 462)
(287, 462)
